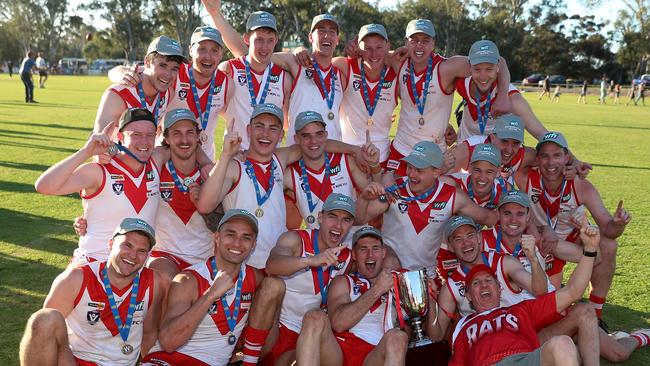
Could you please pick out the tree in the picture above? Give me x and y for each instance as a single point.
(179, 18)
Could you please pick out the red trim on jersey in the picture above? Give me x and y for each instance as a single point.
(419, 85)
(180, 264)
(179, 201)
(442, 87)
(101, 186)
(295, 81)
(261, 175)
(80, 362)
(236, 182)
(137, 195)
(127, 97)
(203, 99)
(347, 167)
(84, 285)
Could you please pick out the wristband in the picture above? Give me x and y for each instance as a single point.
(589, 254)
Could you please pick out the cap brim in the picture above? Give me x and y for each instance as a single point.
(508, 135)
(205, 38)
(420, 31)
(361, 37)
(243, 217)
(262, 26)
(172, 54)
(483, 60)
(370, 233)
(539, 144)
(325, 20)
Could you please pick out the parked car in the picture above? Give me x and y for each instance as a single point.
(533, 79)
(646, 79)
(554, 80)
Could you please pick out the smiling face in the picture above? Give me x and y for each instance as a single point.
(513, 219)
(465, 242)
(324, 38)
(483, 175)
(261, 42)
(483, 291)
(129, 252)
(311, 140)
(206, 56)
(420, 180)
(139, 137)
(369, 254)
(183, 137)
(334, 226)
(234, 241)
(420, 46)
(264, 132)
(161, 71)
(509, 148)
(552, 158)
(375, 48)
(484, 75)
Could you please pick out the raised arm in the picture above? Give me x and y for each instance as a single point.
(110, 108)
(440, 315)
(233, 40)
(285, 259)
(534, 282)
(465, 206)
(521, 108)
(611, 226)
(369, 205)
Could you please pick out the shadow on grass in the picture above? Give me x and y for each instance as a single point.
(606, 126)
(30, 135)
(621, 166)
(24, 166)
(48, 125)
(34, 232)
(41, 147)
(7, 186)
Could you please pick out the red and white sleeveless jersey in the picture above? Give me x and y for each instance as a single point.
(436, 111)
(414, 229)
(553, 211)
(340, 181)
(469, 124)
(464, 180)
(506, 170)
(240, 107)
(180, 229)
(509, 296)
(303, 292)
(306, 95)
(209, 341)
(92, 331)
(122, 194)
(242, 196)
(379, 319)
(184, 98)
(355, 115)
(131, 99)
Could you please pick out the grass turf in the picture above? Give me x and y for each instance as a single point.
(37, 240)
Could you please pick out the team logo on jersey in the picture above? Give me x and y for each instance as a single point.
(162, 102)
(93, 317)
(439, 205)
(339, 265)
(450, 264)
(241, 79)
(335, 170)
(356, 85)
(117, 177)
(274, 78)
(185, 85)
(403, 207)
(118, 188)
(139, 306)
(405, 77)
(356, 289)
(247, 297)
(167, 185)
(150, 175)
(535, 198)
(461, 288)
(566, 197)
(387, 84)
(99, 305)
(217, 89)
(182, 94)
(213, 308)
(166, 194)
(309, 73)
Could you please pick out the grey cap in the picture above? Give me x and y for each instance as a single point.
(261, 19)
(133, 224)
(237, 213)
(306, 117)
(369, 29)
(514, 196)
(487, 152)
(425, 154)
(366, 231)
(206, 33)
(509, 126)
(323, 17)
(166, 46)
(339, 201)
(420, 26)
(268, 108)
(554, 137)
(176, 115)
(455, 222)
(483, 51)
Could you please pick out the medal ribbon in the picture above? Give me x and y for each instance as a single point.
(251, 88)
(203, 115)
(553, 225)
(421, 101)
(514, 253)
(470, 193)
(319, 270)
(305, 181)
(485, 261)
(143, 103)
(370, 106)
(482, 118)
(328, 96)
(125, 328)
(129, 153)
(172, 170)
(231, 319)
(394, 189)
(251, 173)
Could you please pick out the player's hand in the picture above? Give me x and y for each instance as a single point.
(434, 288)
(501, 105)
(590, 236)
(398, 55)
(326, 258)
(370, 152)
(194, 190)
(372, 191)
(303, 57)
(352, 49)
(99, 143)
(528, 245)
(222, 283)
(621, 216)
(80, 225)
(577, 216)
(132, 77)
(384, 281)
(570, 171)
(548, 242)
(448, 160)
(450, 135)
(583, 169)
(232, 141)
(212, 6)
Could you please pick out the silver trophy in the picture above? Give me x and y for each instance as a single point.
(414, 298)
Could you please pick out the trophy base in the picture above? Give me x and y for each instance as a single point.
(420, 342)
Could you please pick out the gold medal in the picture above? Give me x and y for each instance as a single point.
(259, 212)
(370, 121)
(330, 115)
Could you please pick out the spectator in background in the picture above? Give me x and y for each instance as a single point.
(612, 88)
(546, 88)
(603, 89)
(632, 93)
(26, 76)
(583, 93)
(556, 94)
(617, 94)
(42, 70)
(640, 93)
(10, 65)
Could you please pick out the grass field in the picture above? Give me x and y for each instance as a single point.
(37, 240)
